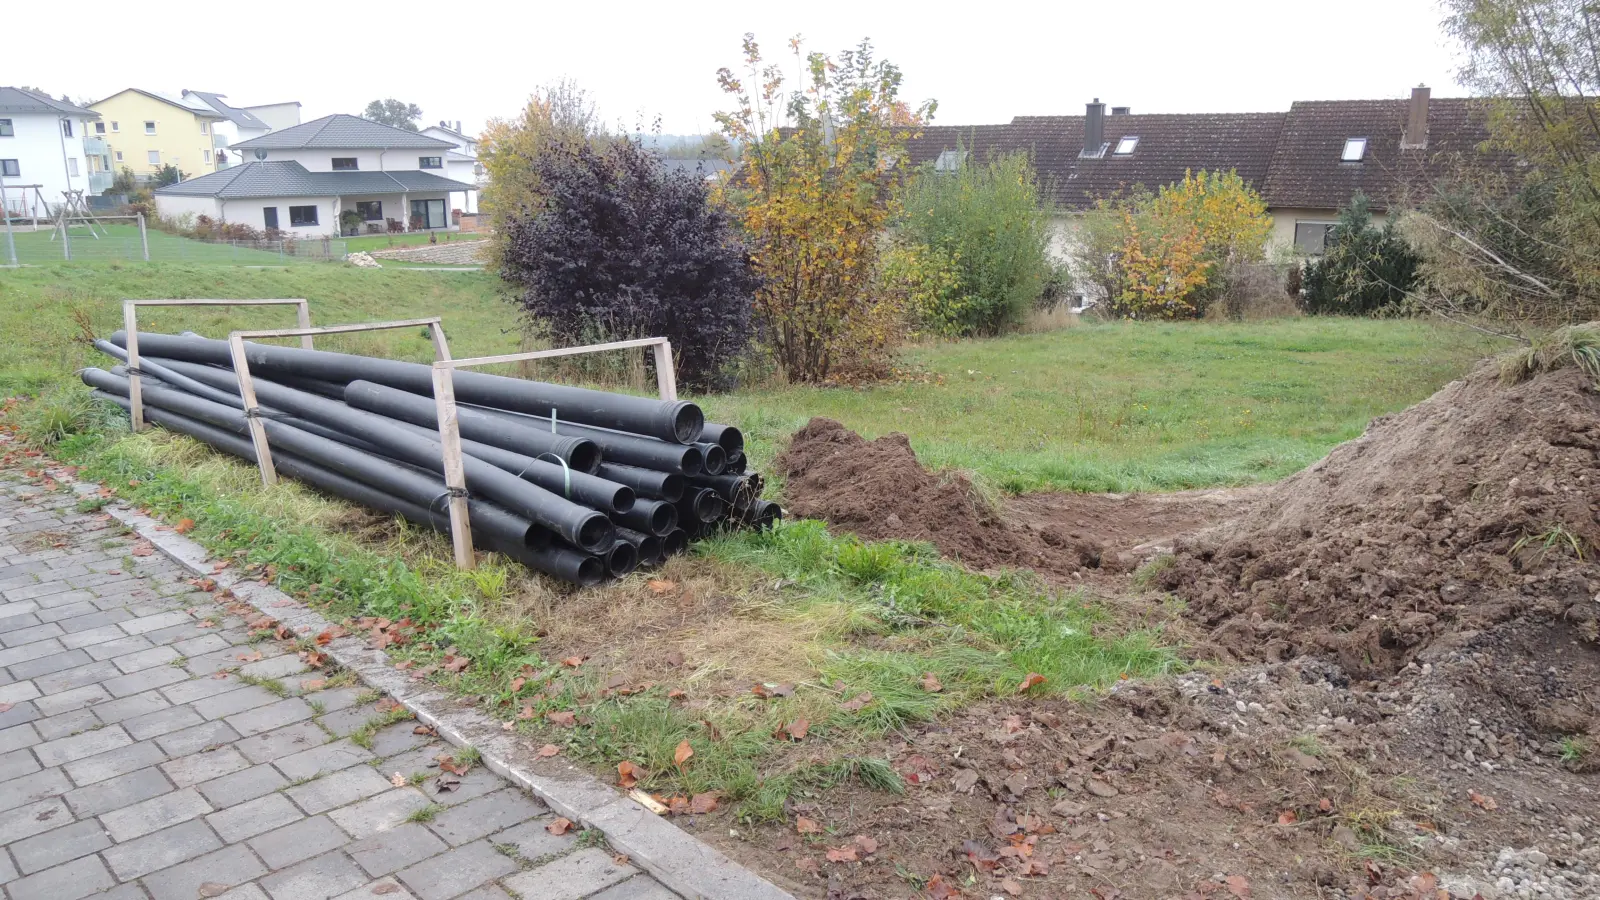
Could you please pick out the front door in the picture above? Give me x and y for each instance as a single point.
(429, 212)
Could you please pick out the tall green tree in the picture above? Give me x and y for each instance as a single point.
(393, 113)
(986, 218)
(1365, 268)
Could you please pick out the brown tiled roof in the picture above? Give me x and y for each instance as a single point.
(1169, 145)
(1292, 158)
(1306, 169)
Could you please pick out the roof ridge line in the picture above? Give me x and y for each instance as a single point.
(309, 138)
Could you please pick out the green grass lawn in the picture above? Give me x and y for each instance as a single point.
(38, 307)
(1135, 406)
(121, 242)
(370, 242)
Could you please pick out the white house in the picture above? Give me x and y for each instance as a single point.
(278, 116)
(236, 125)
(301, 180)
(47, 142)
(460, 164)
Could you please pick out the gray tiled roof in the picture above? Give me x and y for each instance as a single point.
(17, 100)
(342, 132)
(290, 179)
(234, 114)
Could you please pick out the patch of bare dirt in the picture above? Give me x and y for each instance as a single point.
(1476, 506)
(879, 490)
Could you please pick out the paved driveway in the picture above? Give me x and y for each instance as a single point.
(149, 750)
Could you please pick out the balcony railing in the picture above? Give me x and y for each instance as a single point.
(100, 182)
(94, 146)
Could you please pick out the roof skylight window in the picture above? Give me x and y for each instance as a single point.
(1354, 150)
(1127, 145)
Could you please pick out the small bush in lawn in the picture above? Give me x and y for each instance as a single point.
(1365, 269)
(624, 248)
(985, 217)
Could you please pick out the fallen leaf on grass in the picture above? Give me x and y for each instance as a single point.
(660, 585)
(517, 683)
(701, 804)
(1238, 885)
(677, 694)
(794, 731)
(508, 726)
(628, 774)
(857, 703)
(1033, 680)
(564, 719)
(767, 691)
(1483, 801)
(964, 780)
(939, 889)
(806, 826)
(548, 750)
(143, 549)
(446, 783)
(208, 623)
(675, 659)
(931, 683)
(1325, 805)
(572, 662)
(453, 663)
(448, 763)
(1287, 817)
(184, 526)
(561, 825)
(682, 754)
(397, 780)
(249, 657)
(866, 844)
(1012, 887)
(842, 854)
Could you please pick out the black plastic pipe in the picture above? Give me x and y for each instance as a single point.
(737, 464)
(650, 483)
(584, 527)
(701, 504)
(737, 490)
(762, 514)
(521, 435)
(674, 542)
(622, 558)
(383, 484)
(617, 447)
(653, 516)
(713, 459)
(731, 438)
(671, 420)
(648, 545)
(492, 527)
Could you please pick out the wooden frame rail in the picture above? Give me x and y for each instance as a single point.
(247, 386)
(444, 395)
(130, 324)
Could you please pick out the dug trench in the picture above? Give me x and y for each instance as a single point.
(1393, 691)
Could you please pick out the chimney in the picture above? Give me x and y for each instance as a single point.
(458, 126)
(1094, 129)
(1416, 134)
(1121, 110)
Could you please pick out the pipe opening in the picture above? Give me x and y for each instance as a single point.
(594, 532)
(622, 559)
(591, 571)
(693, 461)
(663, 518)
(675, 541)
(623, 499)
(687, 423)
(713, 459)
(584, 456)
(672, 487)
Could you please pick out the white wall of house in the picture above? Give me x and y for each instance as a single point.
(250, 211)
(394, 207)
(178, 207)
(36, 145)
(277, 115)
(227, 133)
(408, 160)
(463, 170)
(1285, 219)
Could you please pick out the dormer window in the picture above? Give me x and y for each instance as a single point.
(1355, 149)
(949, 160)
(344, 164)
(1127, 145)
(430, 162)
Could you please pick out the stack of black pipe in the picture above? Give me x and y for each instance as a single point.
(578, 483)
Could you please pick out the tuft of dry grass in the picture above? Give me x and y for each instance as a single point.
(1575, 345)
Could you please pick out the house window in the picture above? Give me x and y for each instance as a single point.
(344, 163)
(9, 168)
(302, 215)
(1126, 145)
(99, 128)
(1354, 150)
(269, 217)
(205, 127)
(430, 162)
(66, 127)
(155, 157)
(6, 129)
(119, 156)
(115, 125)
(205, 155)
(1311, 238)
(72, 166)
(150, 128)
(370, 210)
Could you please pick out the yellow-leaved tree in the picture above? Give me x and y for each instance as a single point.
(814, 193)
(1167, 255)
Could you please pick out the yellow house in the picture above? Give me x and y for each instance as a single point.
(147, 130)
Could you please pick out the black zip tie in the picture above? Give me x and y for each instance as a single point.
(251, 412)
(135, 370)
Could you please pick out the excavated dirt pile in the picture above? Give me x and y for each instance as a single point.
(1476, 507)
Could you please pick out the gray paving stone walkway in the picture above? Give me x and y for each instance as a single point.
(151, 749)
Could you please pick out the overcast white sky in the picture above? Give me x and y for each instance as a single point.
(984, 62)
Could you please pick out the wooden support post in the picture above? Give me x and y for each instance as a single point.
(666, 378)
(303, 316)
(130, 324)
(455, 478)
(247, 392)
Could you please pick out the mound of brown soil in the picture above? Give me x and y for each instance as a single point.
(878, 490)
(1464, 511)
